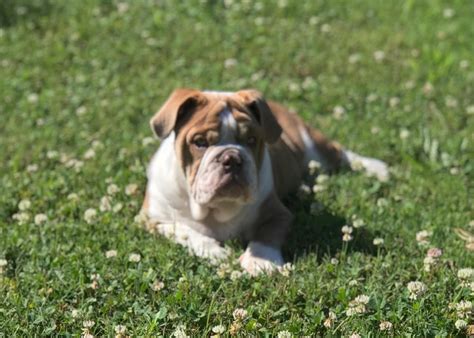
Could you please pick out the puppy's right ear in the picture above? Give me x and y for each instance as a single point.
(181, 102)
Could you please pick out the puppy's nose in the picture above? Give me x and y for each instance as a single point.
(231, 161)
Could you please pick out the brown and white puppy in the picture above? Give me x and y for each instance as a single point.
(225, 160)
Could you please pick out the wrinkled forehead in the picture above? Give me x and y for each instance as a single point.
(222, 109)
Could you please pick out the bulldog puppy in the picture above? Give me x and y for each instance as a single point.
(225, 161)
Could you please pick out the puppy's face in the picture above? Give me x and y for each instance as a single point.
(220, 142)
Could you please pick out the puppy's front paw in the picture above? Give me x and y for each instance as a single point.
(259, 258)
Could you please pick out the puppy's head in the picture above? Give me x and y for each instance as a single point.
(219, 141)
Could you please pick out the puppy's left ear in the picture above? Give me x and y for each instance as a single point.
(257, 105)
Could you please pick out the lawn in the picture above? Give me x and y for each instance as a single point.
(79, 81)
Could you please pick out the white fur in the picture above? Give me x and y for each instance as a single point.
(259, 258)
(310, 150)
(185, 222)
(372, 166)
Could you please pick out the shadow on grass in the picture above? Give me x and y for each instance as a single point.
(319, 232)
(15, 11)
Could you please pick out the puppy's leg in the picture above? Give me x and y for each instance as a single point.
(196, 243)
(263, 253)
(333, 157)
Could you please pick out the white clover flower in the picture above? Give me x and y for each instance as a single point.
(394, 101)
(318, 188)
(239, 314)
(90, 153)
(88, 324)
(379, 55)
(75, 313)
(378, 241)
(81, 110)
(354, 58)
(354, 335)
(460, 324)
(353, 282)
(284, 334)
(313, 166)
(122, 7)
(147, 141)
(385, 326)
(219, 329)
(362, 299)
(422, 237)
(21, 217)
(325, 28)
(236, 274)
(3, 264)
(32, 168)
(338, 112)
(33, 98)
(24, 205)
(134, 257)
(322, 178)
(105, 204)
(346, 229)
(131, 189)
(334, 261)
(40, 219)
(448, 13)
(464, 309)
(90, 215)
(465, 274)
(117, 207)
(330, 319)
(180, 332)
(120, 329)
(52, 154)
(428, 88)
(286, 269)
(111, 253)
(416, 289)
(434, 253)
(157, 285)
(347, 238)
(73, 196)
(404, 133)
(357, 222)
(230, 63)
(112, 189)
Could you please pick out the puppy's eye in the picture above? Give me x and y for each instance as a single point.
(200, 142)
(251, 140)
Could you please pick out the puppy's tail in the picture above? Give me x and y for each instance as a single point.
(333, 157)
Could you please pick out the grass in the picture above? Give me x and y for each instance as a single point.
(81, 75)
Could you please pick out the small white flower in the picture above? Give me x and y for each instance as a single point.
(73, 196)
(322, 178)
(325, 28)
(33, 98)
(40, 219)
(24, 205)
(90, 153)
(131, 189)
(74, 313)
(338, 112)
(346, 229)
(334, 261)
(134, 257)
(385, 326)
(52, 154)
(394, 101)
(317, 188)
(379, 55)
(416, 289)
(120, 329)
(465, 274)
(111, 253)
(284, 334)
(105, 204)
(236, 274)
(460, 324)
(112, 189)
(464, 309)
(180, 331)
(354, 335)
(81, 110)
(117, 207)
(240, 314)
(21, 217)
(448, 13)
(428, 88)
(329, 321)
(313, 166)
(354, 58)
(346, 238)
(157, 285)
(88, 324)
(357, 222)
(314, 20)
(90, 215)
(219, 329)
(147, 141)
(362, 299)
(404, 133)
(230, 63)
(378, 241)
(32, 168)
(3, 264)
(122, 7)
(422, 237)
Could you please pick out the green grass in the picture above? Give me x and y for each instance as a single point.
(75, 72)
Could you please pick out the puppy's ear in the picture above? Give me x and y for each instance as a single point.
(179, 104)
(257, 105)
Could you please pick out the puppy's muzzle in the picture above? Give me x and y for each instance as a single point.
(231, 160)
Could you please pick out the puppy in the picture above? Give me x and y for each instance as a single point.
(225, 161)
